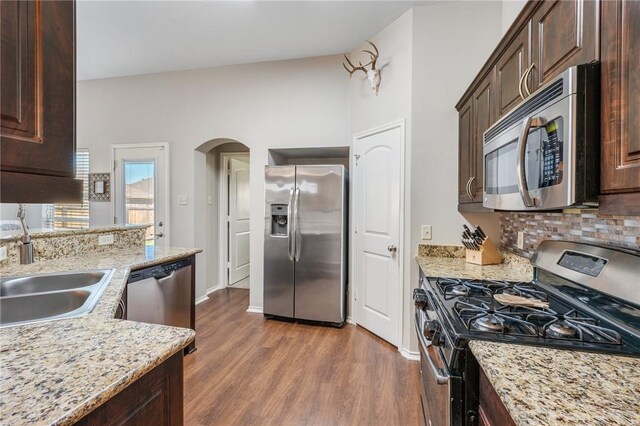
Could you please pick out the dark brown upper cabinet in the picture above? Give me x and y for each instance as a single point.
(465, 150)
(37, 120)
(620, 125)
(564, 34)
(510, 68)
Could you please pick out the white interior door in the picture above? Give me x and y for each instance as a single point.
(377, 208)
(239, 200)
(140, 189)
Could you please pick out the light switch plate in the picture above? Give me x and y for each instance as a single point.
(104, 240)
(3, 253)
(183, 199)
(521, 240)
(426, 232)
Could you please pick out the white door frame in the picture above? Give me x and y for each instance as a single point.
(167, 172)
(401, 246)
(223, 206)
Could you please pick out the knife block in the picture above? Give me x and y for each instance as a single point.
(487, 255)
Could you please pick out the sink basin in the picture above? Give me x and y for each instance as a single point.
(51, 296)
(39, 306)
(47, 283)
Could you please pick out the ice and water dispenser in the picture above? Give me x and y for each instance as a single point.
(279, 219)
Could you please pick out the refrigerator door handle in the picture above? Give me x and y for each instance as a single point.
(290, 226)
(298, 237)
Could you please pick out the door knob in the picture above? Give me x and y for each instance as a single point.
(159, 234)
(392, 248)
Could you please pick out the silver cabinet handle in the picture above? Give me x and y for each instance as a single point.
(472, 194)
(468, 188)
(525, 80)
(290, 226)
(392, 248)
(520, 84)
(296, 232)
(523, 186)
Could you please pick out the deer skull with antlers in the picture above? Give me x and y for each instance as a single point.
(373, 74)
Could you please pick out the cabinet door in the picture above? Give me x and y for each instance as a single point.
(465, 150)
(37, 116)
(565, 33)
(483, 118)
(509, 70)
(620, 167)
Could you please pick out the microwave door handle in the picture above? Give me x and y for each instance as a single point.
(523, 186)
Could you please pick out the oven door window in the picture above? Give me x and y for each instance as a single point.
(544, 162)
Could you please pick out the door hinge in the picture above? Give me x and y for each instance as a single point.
(114, 165)
(355, 228)
(115, 220)
(355, 294)
(228, 265)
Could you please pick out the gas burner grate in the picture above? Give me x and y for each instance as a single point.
(453, 287)
(570, 326)
(480, 316)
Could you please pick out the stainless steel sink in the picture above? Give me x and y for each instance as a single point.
(51, 296)
(48, 283)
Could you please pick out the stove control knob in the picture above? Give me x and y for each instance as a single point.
(433, 332)
(420, 298)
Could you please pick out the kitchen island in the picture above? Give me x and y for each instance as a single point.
(57, 372)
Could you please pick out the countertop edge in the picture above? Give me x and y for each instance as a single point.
(98, 399)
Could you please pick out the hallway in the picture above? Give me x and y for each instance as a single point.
(249, 370)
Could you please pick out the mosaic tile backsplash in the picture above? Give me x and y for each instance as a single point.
(586, 226)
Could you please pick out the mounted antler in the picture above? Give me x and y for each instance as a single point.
(373, 74)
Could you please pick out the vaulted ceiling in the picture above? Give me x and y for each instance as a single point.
(118, 38)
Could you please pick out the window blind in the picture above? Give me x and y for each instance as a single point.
(72, 216)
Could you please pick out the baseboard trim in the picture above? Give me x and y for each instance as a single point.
(255, 309)
(351, 321)
(201, 299)
(410, 355)
(212, 289)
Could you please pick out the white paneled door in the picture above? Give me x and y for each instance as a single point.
(239, 200)
(376, 188)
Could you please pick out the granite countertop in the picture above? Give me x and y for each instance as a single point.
(542, 386)
(513, 268)
(6, 236)
(58, 371)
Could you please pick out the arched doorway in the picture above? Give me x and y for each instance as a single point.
(222, 215)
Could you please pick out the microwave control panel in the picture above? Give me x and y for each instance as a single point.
(552, 161)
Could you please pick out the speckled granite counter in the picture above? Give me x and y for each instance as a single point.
(514, 268)
(58, 371)
(541, 386)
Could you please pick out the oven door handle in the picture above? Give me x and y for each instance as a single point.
(523, 186)
(440, 374)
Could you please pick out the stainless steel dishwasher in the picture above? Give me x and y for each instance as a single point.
(161, 294)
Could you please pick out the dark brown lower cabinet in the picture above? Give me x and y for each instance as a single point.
(491, 410)
(156, 399)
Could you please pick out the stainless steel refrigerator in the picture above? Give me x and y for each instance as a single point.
(305, 243)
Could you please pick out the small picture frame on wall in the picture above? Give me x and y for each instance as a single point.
(99, 187)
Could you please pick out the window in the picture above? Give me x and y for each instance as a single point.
(72, 216)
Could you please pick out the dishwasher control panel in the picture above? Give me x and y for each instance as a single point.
(158, 271)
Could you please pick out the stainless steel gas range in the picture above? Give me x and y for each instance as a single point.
(583, 297)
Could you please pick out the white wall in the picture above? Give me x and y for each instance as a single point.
(510, 9)
(298, 103)
(449, 48)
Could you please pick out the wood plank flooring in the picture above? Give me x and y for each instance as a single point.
(252, 371)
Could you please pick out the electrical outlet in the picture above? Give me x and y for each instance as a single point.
(104, 240)
(3, 253)
(521, 240)
(183, 199)
(426, 232)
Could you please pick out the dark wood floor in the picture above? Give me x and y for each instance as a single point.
(252, 371)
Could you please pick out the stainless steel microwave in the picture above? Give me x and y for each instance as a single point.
(545, 154)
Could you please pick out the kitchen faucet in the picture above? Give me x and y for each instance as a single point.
(26, 249)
